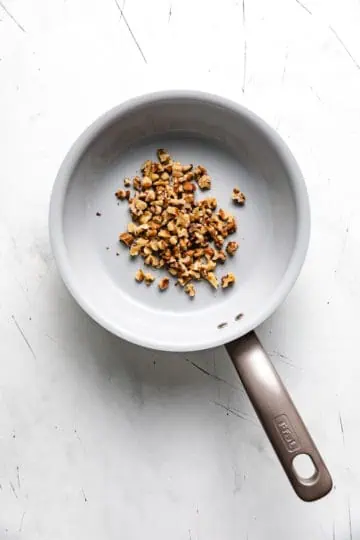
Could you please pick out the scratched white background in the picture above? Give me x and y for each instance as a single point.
(98, 438)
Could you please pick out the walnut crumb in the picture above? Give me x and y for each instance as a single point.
(127, 182)
(227, 280)
(148, 278)
(190, 290)
(232, 247)
(163, 155)
(164, 284)
(126, 238)
(139, 276)
(212, 279)
(238, 196)
(204, 182)
(122, 194)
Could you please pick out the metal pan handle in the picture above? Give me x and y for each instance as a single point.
(279, 417)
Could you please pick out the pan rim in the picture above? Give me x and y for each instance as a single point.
(301, 199)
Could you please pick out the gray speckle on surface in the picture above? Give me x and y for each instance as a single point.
(222, 325)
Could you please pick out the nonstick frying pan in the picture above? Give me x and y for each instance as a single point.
(238, 149)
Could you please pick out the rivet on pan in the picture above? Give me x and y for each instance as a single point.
(222, 325)
(239, 316)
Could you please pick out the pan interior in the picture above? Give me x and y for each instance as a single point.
(237, 154)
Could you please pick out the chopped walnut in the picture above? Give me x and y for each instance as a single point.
(227, 280)
(219, 256)
(204, 182)
(232, 247)
(140, 276)
(212, 279)
(148, 278)
(163, 155)
(164, 284)
(238, 196)
(122, 194)
(126, 238)
(127, 182)
(173, 230)
(189, 187)
(190, 290)
(137, 183)
(146, 182)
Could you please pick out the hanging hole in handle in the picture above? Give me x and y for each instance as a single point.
(304, 468)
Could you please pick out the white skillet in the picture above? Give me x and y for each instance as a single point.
(238, 149)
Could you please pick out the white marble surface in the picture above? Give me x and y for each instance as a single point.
(98, 438)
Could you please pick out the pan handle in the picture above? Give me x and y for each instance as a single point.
(279, 417)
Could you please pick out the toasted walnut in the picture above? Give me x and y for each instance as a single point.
(224, 215)
(190, 290)
(227, 280)
(150, 195)
(132, 228)
(139, 276)
(173, 240)
(164, 234)
(154, 245)
(127, 182)
(163, 155)
(164, 284)
(232, 247)
(148, 278)
(152, 260)
(189, 187)
(139, 204)
(209, 203)
(122, 194)
(219, 256)
(135, 250)
(146, 182)
(137, 183)
(145, 218)
(204, 182)
(238, 196)
(199, 171)
(212, 279)
(146, 168)
(126, 238)
(142, 242)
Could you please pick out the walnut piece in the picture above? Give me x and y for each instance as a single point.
(212, 279)
(148, 278)
(122, 194)
(227, 280)
(126, 238)
(232, 247)
(139, 276)
(163, 155)
(190, 290)
(164, 284)
(238, 196)
(204, 182)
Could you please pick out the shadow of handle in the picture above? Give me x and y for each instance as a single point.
(279, 417)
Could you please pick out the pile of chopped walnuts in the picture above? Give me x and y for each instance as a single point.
(170, 229)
